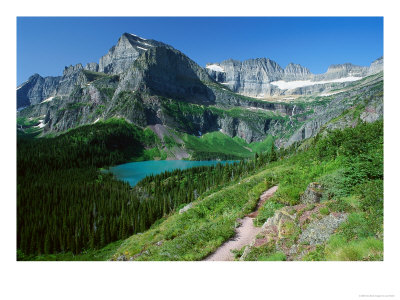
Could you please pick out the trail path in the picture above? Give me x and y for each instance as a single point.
(245, 233)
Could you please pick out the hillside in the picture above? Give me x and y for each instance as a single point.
(348, 164)
(321, 144)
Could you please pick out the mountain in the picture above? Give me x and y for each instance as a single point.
(36, 89)
(149, 83)
(128, 48)
(263, 77)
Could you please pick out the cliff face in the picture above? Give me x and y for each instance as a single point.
(376, 66)
(168, 72)
(36, 89)
(250, 77)
(362, 103)
(296, 72)
(263, 77)
(125, 52)
(342, 71)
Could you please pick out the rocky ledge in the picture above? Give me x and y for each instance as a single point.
(297, 230)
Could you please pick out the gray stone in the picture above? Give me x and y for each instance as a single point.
(312, 194)
(376, 66)
(93, 67)
(122, 258)
(319, 231)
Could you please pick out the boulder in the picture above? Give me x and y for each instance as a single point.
(312, 194)
(319, 231)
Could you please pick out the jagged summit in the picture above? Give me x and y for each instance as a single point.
(263, 77)
(171, 73)
(133, 35)
(128, 48)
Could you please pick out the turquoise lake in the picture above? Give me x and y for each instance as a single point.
(135, 171)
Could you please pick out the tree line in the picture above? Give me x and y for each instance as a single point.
(65, 203)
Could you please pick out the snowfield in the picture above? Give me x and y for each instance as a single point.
(288, 85)
(215, 68)
(47, 100)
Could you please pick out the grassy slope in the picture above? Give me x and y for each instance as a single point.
(197, 233)
(200, 231)
(218, 143)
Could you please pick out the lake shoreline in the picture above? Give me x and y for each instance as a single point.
(133, 172)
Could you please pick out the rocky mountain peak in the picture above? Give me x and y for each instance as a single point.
(128, 48)
(340, 67)
(94, 67)
(123, 54)
(168, 72)
(296, 68)
(296, 72)
(72, 69)
(376, 66)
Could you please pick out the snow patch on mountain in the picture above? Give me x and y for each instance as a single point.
(41, 124)
(288, 85)
(47, 100)
(138, 37)
(146, 44)
(215, 67)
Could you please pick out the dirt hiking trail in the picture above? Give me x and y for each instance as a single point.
(245, 233)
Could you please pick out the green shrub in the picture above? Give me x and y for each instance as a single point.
(324, 211)
(267, 211)
(317, 255)
(358, 225)
(371, 196)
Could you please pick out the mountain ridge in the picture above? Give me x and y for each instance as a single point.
(142, 86)
(255, 77)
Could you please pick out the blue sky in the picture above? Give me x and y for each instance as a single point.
(45, 45)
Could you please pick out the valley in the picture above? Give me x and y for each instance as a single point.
(148, 104)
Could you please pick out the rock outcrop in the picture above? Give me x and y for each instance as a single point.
(72, 76)
(320, 231)
(312, 194)
(296, 72)
(93, 67)
(376, 66)
(296, 230)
